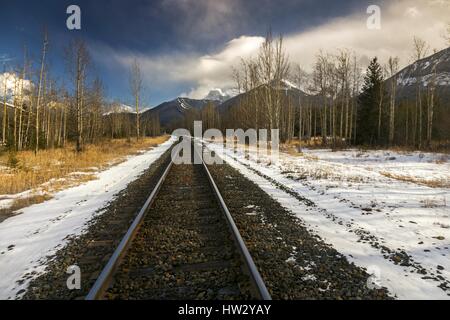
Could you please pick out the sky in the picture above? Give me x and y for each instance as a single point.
(188, 47)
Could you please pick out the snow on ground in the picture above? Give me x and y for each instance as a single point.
(27, 239)
(7, 200)
(398, 230)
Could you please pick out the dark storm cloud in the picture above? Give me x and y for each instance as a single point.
(190, 30)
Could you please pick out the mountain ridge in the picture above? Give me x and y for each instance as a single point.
(432, 69)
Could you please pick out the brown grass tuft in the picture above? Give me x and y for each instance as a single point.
(437, 183)
(20, 203)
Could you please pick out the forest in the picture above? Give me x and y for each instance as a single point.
(40, 111)
(337, 104)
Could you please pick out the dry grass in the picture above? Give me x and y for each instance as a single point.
(436, 183)
(60, 168)
(20, 203)
(442, 159)
(443, 147)
(434, 203)
(311, 143)
(292, 148)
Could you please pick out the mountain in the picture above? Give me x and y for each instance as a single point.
(435, 68)
(172, 112)
(286, 87)
(217, 95)
(118, 108)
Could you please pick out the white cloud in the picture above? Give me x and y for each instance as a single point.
(203, 72)
(401, 21)
(13, 85)
(413, 12)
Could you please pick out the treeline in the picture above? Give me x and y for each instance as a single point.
(422, 121)
(40, 110)
(118, 124)
(337, 104)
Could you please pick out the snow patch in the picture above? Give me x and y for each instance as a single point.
(360, 211)
(27, 239)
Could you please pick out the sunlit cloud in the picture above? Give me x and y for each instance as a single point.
(13, 85)
(401, 21)
(202, 72)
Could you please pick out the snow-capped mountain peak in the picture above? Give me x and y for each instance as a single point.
(217, 94)
(118, 108)
(435, 67)
(183, 104)
(289, 85)
(432, 70)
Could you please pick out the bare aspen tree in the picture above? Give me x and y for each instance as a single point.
(209, 117)
(22, 100)
(15, 106)
(265, 65)
(393, 69)
(38, 100)
(96, 109)
(136, 88)
(78, 60)
(300, 78)
(247, 80)
(254, 83)
(421, 49)
(273, 67)
(322, 83)
(27, 138)
(63, 118)
(447, 34)
(343, 74)
(5, 110)
(281, 72)
(430, 106)
(407, 126)
(355, 91)
(332, 89)
(380, 107)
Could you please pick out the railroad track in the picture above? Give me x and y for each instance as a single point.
(183, 244)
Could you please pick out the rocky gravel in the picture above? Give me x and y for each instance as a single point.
(294, 263)
(183, 249)
(93, 249)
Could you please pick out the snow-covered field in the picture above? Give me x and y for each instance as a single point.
(27, 239)
(388, 212)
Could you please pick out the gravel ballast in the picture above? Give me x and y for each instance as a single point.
(294, 263)
(92, 249)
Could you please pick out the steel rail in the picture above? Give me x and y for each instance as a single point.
(104, 279)
(255, 277)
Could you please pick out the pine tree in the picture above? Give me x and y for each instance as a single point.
(369, 102)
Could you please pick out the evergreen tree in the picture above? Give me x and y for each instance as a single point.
(368, 103)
